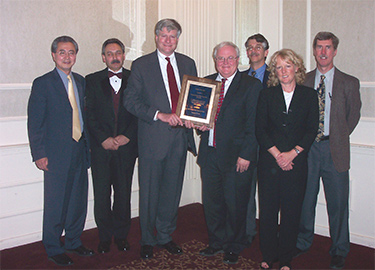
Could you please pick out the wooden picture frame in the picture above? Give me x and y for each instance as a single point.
(198, 100)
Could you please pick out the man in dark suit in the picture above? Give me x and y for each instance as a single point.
(59, 147)
(257, 50)
(227, 156)
(113, 134)
(329, 156)
(163, 141)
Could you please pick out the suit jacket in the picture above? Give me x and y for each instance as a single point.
(277, 127)
(344, 115)
(146, 94)
(265, 77)
(101, 114)
(50, 121)
(235, 125)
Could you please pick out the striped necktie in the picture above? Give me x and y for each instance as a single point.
(221, 99)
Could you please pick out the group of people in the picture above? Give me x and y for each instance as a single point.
(275, 126)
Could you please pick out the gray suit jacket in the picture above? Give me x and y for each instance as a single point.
(145, 94)
(344, 117)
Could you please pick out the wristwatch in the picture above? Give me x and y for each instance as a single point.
(297, 151)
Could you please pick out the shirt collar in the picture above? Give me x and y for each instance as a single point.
(329, 74)
(115, 72)
(262, 69)
(229, 79)
(171, 57)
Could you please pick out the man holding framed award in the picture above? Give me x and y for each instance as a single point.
(227, 156)
(152, 95)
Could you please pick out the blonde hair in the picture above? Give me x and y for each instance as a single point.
(289, 56)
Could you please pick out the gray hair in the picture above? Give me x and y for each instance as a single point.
(170, 24)
(63, 39)
(222, 44)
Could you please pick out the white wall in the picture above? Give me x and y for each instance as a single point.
(205, 23)
(293, 24)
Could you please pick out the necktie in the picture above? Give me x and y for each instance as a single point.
(173, 89)
(111, 74)
(321, 97)
(76, 127)
(253, 73)
(221, 99)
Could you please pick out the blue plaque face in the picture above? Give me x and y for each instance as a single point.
(198, 101)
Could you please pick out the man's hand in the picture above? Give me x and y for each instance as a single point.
(189, 124)
(242, 165)
(121, 140)
(42, 164)
(110, 144)
(171, 118)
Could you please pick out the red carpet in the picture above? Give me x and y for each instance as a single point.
(191, 234)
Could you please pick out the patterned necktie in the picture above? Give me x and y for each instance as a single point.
(253, 73)
(173, 89)
(221, 99)
(76, 127)
(321, 97)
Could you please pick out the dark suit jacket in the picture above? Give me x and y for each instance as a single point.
(235, 125)
(285, 130)
(50, 121)
(265, 77)
(101, 114)
(145, 94)
(344, 115)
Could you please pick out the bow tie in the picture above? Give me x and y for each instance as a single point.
(111, 74)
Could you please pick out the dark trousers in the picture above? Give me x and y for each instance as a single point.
(112, 169)
(251, 227)
(280, 191)
(336, 189)
(65, 202)
(225, 197)
(160, 186)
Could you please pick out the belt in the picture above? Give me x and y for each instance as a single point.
(324, 138)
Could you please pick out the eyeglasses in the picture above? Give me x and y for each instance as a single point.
(63, 53)
(230, 59)
(256, 48)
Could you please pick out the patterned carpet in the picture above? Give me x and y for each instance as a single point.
(190, 259)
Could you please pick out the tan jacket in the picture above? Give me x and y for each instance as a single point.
(344, 115)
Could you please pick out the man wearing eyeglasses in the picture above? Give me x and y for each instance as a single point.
(257, 50)
(59, 147)
(227, 156)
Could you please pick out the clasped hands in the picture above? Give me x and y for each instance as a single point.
(285, 160)
(114, 143)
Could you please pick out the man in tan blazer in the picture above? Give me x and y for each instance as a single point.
(329, 156)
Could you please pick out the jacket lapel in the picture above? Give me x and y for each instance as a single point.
(233, 88)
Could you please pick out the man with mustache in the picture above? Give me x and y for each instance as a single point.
(257, 50)
(113, 134)
(329, 156)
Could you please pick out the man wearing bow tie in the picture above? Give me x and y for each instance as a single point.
(113, 133)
